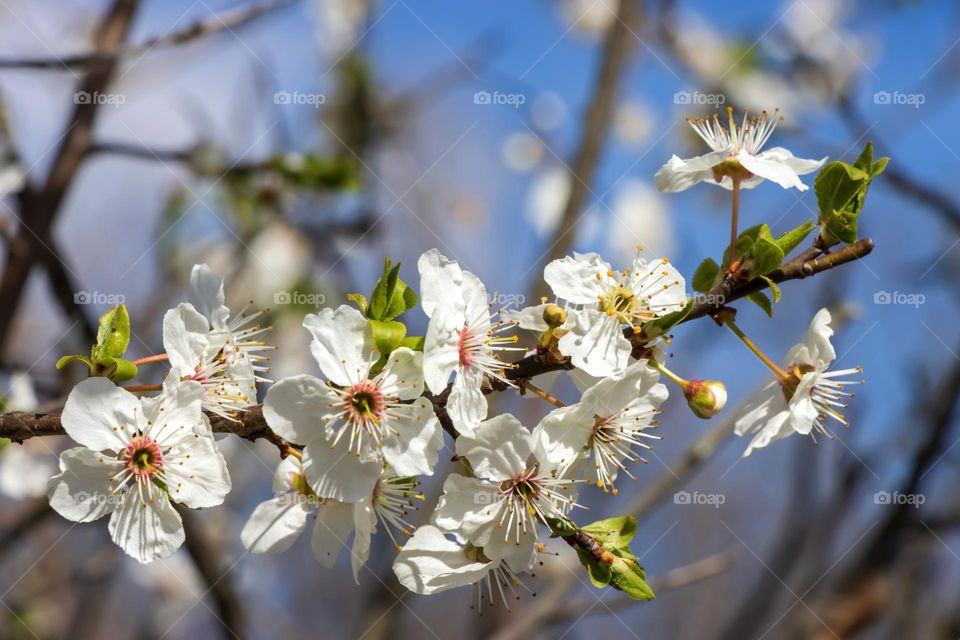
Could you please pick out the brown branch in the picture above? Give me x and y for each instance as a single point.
(616, 53)
(202, 28)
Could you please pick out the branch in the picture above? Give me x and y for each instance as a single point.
(200, 29)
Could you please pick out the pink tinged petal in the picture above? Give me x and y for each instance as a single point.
(680, 174)
(364, 526)
(440, 277)
(596, 344)
(800, 165)
(206, 295)
(274, 525)
(441, 353)
(402, 376)
(337, 474)
(771, 169)
(295, 408)
(80, 492)
(186, 338)
(499, 448)
(574, 279)
(466, 405)
(100, 415)
(146, 531)
(196, 473)
(332, 526)
(430, 563)
(342, 344)
(414, 440)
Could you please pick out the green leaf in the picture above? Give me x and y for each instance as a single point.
(65, 360)
(123, 370)
(628, 576)
(705, 275)
(841, 192)
(792, 239)
(561, 527)
(613, 533)
(413, 342)
(661, 325)
(391, 296)
(113, 336)
(836, 185)
(387, 336)
(360, 300)
(599, 573)
(774, 289)
(758, 251)
(760, 299)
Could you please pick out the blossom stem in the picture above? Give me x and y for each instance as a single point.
(157, 358)
(680, 382)
(143, 387)
(734, 217)
(755, 349)
(542, 394)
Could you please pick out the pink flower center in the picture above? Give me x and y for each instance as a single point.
(364, 403)
(464, 346)
(142, 458)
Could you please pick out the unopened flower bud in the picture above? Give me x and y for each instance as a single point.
(706, 398)
(554, 315)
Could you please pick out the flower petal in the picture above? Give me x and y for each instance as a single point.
(337, 474)
(206, 295)
(298, 407)
(364, 526)
(413, 440)
(679, 174)
(759, 408)
(342, 344)
(800, 165)
(771, 168)
(575, 278)
(431, 563)
(816, 349)
(274, 525)
(186, 338)
(81, 491)
(659, 284)
(467, 406)
(147, 530)
(196, 473)
(402, 376)
(441, 349)
(334, 522)
(596, 344)
(469, 507)
(100, 415)
(176, 412)
(527, 318)
(439, 278)
(498, 449)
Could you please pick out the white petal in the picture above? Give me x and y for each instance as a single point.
(440, 278)
(476, 304)
(186, 338)
(337, 474)
(466, 405)
(274, 525)
(562, 434)
(816, 349)
(527, 318)
(414, 438)
(680, 174)
(295, 408)
(25, 471)
(441, 352)
(596, 344)
(800, 165)
(759, 408)
(176, 412)
(498, 449)
(776, 428)
(196, 473)
(206, 295)
(803, 412)
(364, 525)
(100, 415)
(772, 169)
(283, 475)
(402, 376)
(80, 492)
(469, 507)
(342, 344)
(334, 522)
(660, 284)
(431, 563)
(575, 278)
(147, 530)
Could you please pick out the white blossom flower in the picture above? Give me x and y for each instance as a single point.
(354, 422)
(461, 338)
(510, 493)
(276, 523)
(611, 302)
(138, 455)
(430, 563)
(611, 418)
(801, 403)
(736, 150)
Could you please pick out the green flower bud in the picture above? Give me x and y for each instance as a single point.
(706, 398)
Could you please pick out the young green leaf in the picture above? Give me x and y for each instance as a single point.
(613, 533)
(774, 289)
(387, 336)
(792, 239)
(65, 360)
(706, 275)
(760, 299)
(113, 336)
